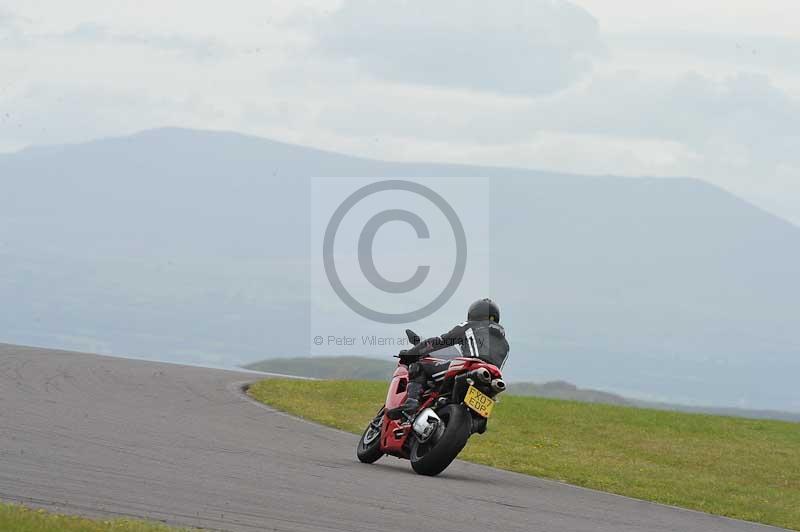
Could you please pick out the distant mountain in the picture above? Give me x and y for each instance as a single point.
(193, 246)
(363, 368)
(567, 391)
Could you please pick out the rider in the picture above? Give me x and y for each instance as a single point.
(481, 336)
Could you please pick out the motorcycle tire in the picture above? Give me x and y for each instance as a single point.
(369, 445)
(432, 458)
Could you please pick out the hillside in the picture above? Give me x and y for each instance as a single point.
(194, 246)
(370, 369)
(748, 469)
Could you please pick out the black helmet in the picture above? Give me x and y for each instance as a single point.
(484, 309)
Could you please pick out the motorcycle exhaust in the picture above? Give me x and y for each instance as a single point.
(483, 375)
(498, 385)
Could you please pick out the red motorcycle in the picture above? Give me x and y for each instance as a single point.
(450, 411)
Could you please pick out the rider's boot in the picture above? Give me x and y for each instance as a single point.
(411, 403)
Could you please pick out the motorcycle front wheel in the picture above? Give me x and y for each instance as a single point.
(369, 446)
(432, 457)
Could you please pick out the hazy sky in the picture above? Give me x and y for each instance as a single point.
(704, 88)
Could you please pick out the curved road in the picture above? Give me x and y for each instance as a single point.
(102, 436)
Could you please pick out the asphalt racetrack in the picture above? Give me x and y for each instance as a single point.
(103, 436)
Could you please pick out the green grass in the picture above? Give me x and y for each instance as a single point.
(16, 518)
(741, 468)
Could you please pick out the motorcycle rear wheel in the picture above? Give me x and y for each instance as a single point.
(431, 458)
(369, 446)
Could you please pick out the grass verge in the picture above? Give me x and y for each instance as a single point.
(16, 518)
(740, 468)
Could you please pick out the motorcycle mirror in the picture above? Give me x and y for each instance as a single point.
(412, 337)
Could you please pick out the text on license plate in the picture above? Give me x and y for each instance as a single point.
(479, 401)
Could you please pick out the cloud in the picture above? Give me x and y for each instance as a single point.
(528, 47)
(14, 35)
(691, 109)
(46, 113)
(89, 33)
(741, 51)
(529, 85)
(744, 110)
(11, 34)
(738, 131)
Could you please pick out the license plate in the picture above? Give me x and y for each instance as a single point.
(479, 401)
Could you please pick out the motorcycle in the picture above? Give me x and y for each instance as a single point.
(451, 410)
